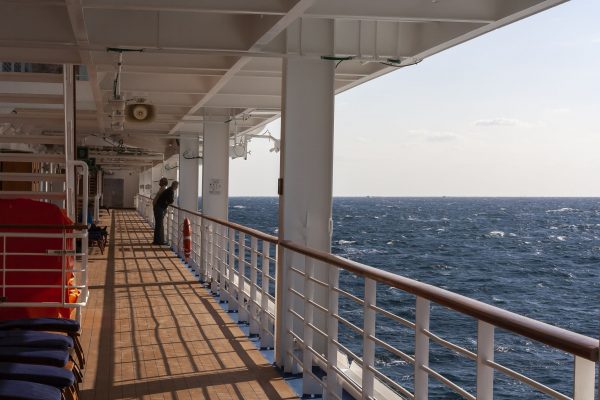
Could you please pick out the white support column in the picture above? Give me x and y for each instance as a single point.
(307, 172)
(215, 168)
(69, 111)
(156, 174)
(189, 168)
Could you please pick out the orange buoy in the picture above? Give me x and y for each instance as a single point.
(187, 239)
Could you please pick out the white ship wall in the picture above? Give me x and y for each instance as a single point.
(130, 185)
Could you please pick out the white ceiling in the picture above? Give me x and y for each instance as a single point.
(207, 57)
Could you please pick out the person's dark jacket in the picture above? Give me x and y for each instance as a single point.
(166, 197)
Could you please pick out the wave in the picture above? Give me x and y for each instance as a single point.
(561, 210)
(342, 242)
(495, 234)
(238, 206)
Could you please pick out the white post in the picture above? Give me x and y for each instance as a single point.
(69, 110)
(168, 217)
(155, 175)
(310, 386)
(306, 169)
(219, 258)
(215, 168)
(252, 307)
(241, 292)
(266, 339)
(229, 273)
(211, 231)
(421, 349)
(368, 378)
(485, 353)
(583, 388)
(334, 381)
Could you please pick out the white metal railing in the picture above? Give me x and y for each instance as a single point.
(52, 243)
(239, 262)
(362, 378)
(55, 287)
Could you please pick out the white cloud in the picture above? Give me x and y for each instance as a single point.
(499, 122)
(433, 136)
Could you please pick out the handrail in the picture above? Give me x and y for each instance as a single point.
(562, 339)
(258, 234)
(551, 335)
(40, 226)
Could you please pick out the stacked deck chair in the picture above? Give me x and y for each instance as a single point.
(40, 359)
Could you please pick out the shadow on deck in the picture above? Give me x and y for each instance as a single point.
(151, 331)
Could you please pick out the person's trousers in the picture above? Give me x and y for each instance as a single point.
(159, 229)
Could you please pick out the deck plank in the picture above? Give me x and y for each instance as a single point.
(150, 331)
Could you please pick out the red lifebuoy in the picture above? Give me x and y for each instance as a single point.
(187, 239)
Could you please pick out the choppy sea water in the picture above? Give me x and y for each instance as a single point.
(539, 257)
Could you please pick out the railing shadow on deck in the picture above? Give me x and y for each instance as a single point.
(161, 332)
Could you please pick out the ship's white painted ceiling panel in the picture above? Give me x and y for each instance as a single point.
(217, 57)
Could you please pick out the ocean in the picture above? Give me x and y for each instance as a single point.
(539, 257)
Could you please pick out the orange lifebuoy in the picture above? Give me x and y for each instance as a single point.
(187, 239)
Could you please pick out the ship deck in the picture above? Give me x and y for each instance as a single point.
(151, 331)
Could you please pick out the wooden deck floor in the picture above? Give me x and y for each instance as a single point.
(150, 331)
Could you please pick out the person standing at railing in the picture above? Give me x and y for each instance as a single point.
(162, 202)
(162, 185)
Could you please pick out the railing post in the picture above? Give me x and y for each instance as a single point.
(368, 378)
(583, 387)
(309, 385)
(266, 338)
(241, 295)
(196, 247)
(230, 274)
(168, 226)
(485, 353)
(214, 283)
(254, 326)
(283, 321)
(334, 387)
(421, 349)
(221, 237)
(204, 251)
(176, 246)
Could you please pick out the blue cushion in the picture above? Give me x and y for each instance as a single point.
(32, 355)
(35, 339)
(21, 390)
(53, 376)
(42, 324)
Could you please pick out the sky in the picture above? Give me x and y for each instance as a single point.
(511, 113)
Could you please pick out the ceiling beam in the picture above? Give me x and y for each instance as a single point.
(294, 13)
(21, 98)
(261, 7)
(31, 77)
(466, 11)
(80, 31)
